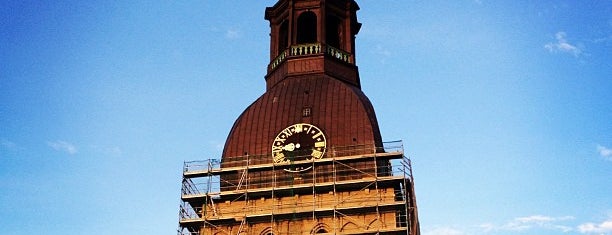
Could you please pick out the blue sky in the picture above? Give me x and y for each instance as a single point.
(504, 107)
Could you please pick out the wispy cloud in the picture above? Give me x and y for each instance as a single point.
(531, 222)
(382, 53)
(7, 144)
(115, 150)
(232, 34)
(604, 227)
(63, 146)
(602, 39)
(443, 231)
(605, 152)
(562, 45)
(216, 145)
(107, 150)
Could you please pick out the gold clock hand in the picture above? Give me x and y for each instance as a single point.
(289, 147)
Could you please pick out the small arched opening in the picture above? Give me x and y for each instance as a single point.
(320, 228)
(374, 224)
(349, 227)
(283, 36)
(307, 28)
(333, 33)
(267, 231)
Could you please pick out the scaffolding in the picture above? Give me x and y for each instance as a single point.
(331, 197)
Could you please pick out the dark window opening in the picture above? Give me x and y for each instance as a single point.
(334, 32)
(283, 37)
(307, 28)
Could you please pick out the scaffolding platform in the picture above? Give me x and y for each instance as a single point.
(332, 195)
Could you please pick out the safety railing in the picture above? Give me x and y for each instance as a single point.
(343, 174)
(250, 160)
(292, 205)
(185, 232)
(189, 213)
(189, 187)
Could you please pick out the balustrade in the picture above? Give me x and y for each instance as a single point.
(278, 60)
(306, 49)
(310, 49)
(339, 54)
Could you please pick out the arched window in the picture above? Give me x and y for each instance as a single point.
(267, 231)
(283, 36)
(333, 35)
(320, 228)
(307, 28)
(348, 227)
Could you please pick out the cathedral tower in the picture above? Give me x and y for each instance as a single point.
(307, 156)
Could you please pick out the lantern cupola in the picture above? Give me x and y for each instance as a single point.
(313, 37)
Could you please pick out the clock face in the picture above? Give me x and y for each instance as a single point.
(298, 142)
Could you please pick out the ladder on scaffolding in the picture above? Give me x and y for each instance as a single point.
(212, 205)
(242, 179)
(242, 225)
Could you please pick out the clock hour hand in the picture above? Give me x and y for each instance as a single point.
(291, 146)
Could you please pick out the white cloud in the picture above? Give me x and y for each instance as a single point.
(63, 146)
(443, 231)
(604, 227)
(539, 219)
(531, 222)
(562, 45)
(232, 34)
(605, 152)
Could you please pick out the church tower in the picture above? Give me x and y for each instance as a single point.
(307, 156)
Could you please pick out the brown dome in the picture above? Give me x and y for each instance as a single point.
(341, 111)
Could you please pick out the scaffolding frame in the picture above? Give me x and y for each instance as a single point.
(204, 192)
